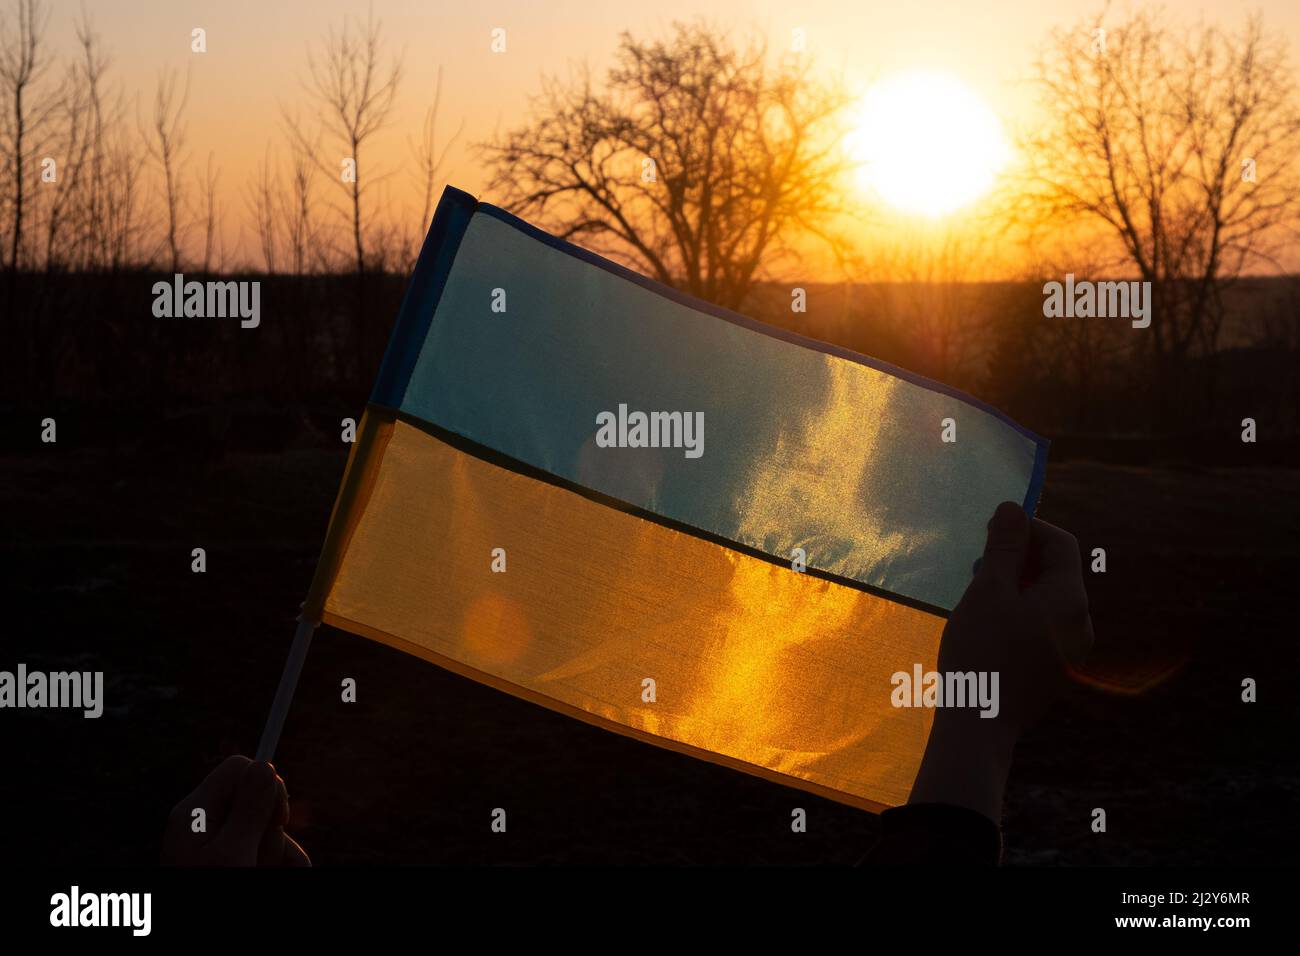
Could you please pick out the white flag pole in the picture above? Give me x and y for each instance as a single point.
(284, 693)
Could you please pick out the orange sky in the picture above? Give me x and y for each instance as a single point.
(257, 54)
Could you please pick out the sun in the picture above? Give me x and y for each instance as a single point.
(926, 143)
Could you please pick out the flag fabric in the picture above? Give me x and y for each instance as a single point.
(606, 497)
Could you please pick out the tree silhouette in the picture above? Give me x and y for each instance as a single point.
(429, 159)
(1182, 147)
(166, 142)
(354, 92)
(698, 162)
(22, 65)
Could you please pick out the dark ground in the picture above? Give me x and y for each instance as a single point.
(97, 544)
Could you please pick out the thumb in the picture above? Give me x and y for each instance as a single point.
(256, 799)
(1004, 551)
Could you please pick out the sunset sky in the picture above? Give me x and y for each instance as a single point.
(257, 56)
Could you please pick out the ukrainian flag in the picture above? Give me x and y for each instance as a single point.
(646, 590)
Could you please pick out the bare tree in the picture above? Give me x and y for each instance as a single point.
(429, 160)
(110, 217)
(92, 242)
(1182, 146)
(354, 92)
(166, 142)
(261, 200)
(699, 162)
(122, 197)
(209, 212)
(295, 207)
(22, 65)
(73, 145)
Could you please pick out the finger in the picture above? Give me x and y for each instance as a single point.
(279, 849)
(1067, 624)
(251, 813)
(281, 817)
(1077, 651)
(214, 792)
(1058, 549)
(270, 851)
(294, 855)
(1004, 551)
(1059, 591)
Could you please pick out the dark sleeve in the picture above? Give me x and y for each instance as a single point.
(935, 834)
